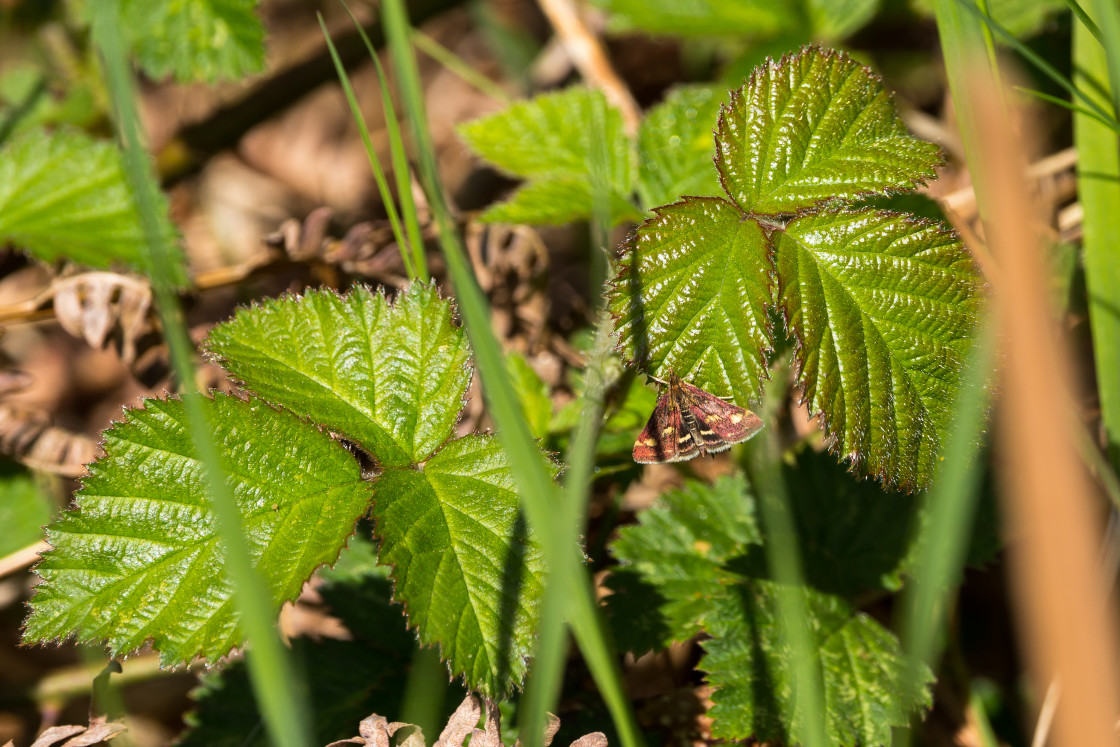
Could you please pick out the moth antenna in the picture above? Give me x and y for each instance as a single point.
(662, 382)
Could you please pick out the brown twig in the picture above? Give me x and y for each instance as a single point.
(591, 59)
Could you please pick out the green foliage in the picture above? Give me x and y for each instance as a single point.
(345, 681)
(700, 17)
(532, 393)
(675, 146)
(698, 557)
(33, 100)
(64, 194)
(391, 378)
(203, 40)
(550, 142)
(139, 559)
(24, 508)
(881, 306)
(462, 559)
(1023, 18)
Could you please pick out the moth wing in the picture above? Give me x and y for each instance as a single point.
(721, 423)
(664, 439)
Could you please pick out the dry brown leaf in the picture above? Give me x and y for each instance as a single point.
(93, 304)
(99, 731)
(27, 436)
(376, 730)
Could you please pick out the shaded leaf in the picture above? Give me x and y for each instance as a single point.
(64, 194)
(139, 558)
(676, 145)
(551, 141)
(463, 560)
(815, 127)
(699, 551)
(191, 40)
(836, 19)
(24, 508)
(883, 308)
(532, 393)
(691, 295)
(390, 376)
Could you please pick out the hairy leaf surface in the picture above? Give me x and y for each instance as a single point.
(815, 127)
(390, 376)
(551, 140)
(691, 295)
(882, 308)
(463, 561)
(64, 194)
(192, 40)
(139, 557)
(698, 552)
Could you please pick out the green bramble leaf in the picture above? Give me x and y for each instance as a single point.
(392, 377)
(815, 127)
(881, 320)
(204, 40)
(675, 147)
(882, 308)
(550, 141)
(64, 194)
(462, 559)
(691, 296)
(345, 680)
(139, 558)
(699, 552)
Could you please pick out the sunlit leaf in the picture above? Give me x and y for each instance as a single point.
(883, 308)
(64, 194)
(139, 558)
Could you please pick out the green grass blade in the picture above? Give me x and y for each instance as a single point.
(1098, 185)
(1114, 126)
(425, 692)
(457, 66)
(397, 151)
(1082, 16)
(949, 506)
(375, 166)
(271, 673)
(1034, 59)
(540, 496)
(783, 557)
(1107, 16)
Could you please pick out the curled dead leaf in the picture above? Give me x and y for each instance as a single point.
(376, 730)
(94, 304)
(27, 436)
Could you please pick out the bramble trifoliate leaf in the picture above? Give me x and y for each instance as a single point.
(204, 40)
(64, 194)
(691, 295)
(815, 127)
(883, 308)
(389, 376)
(553, 141)
(675, 147)
(463, 562)
(139, 557)
(698, 553)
